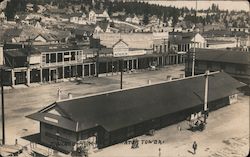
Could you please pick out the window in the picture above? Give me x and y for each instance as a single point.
(59, 57)
(66, 56)
(73, 56)
(52, 57)
(43, 58)
(47, 58)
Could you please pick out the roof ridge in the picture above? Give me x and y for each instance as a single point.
(140, 86)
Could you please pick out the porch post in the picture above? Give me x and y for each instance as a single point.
(137, 63)
(28, 76)
(89, 69)
(83, 68)
(41, 75)
(49, 75)
(12, 77)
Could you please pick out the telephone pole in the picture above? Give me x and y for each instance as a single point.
(121, 70)
(3, 116)
(206, 96)
(193, 63)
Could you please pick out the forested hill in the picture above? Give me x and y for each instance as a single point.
(130, 8)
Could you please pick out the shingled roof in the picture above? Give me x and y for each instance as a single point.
(121, 108)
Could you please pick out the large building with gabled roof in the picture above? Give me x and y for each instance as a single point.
(116, 116)
(235, 63)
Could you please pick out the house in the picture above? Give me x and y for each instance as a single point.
(78, 18)
(120, 48)
(84, 32)
(235, 63)
(113, 117)
(97, 15)
(45, 38)
(3, 18)
(102, 27)
(183, 41)
(134, 20)
(240, 29)
(29, 7)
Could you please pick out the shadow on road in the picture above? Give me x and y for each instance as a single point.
(190, 151)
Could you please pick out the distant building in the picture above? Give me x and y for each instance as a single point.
(78, 18)
(95, 16)
(113, 117)
(134, 20)
(183, 41)
(3, 18)
(235, 63)
(240, 29)
(220, 44)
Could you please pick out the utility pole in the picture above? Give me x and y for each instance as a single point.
(3, 116)
(121, 70)
(97, 59)
(206, 96)
(194, 39)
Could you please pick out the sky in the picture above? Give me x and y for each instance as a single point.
(204, 4)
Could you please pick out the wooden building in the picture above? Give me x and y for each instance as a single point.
(235, 63)
(113, 117)
(47, 63)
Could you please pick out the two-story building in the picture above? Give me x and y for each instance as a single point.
(183, 41)
(98, 15)
(47, 63)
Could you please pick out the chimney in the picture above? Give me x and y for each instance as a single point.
(169, 77)
(70, 96)
(182, 76)
(1, 54)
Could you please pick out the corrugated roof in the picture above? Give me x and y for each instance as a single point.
(122, 108)
(224, 56)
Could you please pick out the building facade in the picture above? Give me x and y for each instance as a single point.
(49, 63)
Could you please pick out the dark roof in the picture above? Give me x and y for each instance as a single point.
(89, 29)
(11, 33)
(120, 40)
(181, 41)
(215, 42)
(102, 25)
(217, 33)
(183, 34)
(224, 33)
(21, 52)
(224, 56)
(122, 108)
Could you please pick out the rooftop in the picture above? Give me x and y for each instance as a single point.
(121, 108)
(223, 55)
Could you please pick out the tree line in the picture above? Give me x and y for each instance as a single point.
(130, 8)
